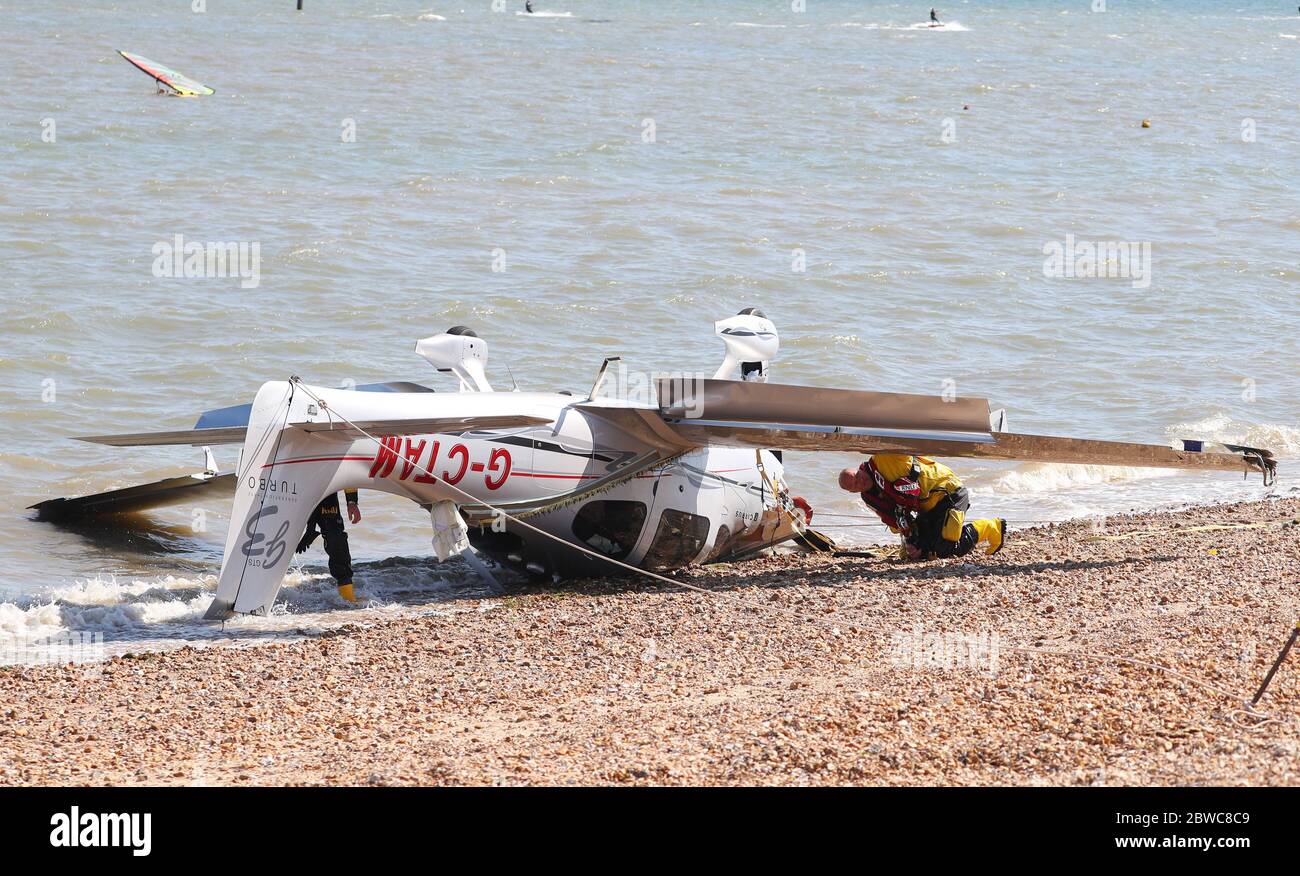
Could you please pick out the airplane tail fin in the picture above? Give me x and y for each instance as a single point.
(273, 501)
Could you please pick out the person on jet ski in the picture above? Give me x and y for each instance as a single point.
(924, 501)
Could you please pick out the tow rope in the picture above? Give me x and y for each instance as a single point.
(1177, 530)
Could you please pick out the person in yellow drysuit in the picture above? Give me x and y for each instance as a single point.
(926, 502)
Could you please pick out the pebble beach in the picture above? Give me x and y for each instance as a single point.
(1119, 652)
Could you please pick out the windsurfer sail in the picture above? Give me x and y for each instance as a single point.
(180, 85)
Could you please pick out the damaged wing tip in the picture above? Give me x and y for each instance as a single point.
(48, 510)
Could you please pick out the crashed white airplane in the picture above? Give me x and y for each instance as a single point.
(693, 477)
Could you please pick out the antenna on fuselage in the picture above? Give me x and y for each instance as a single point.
(752, 343)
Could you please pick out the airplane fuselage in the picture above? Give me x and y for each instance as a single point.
(584, 477)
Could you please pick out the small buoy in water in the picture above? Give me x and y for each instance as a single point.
(1146, 123)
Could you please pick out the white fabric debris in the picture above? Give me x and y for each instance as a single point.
(450, 534)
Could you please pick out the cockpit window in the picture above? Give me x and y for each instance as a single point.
(680, 537)
(610, 527)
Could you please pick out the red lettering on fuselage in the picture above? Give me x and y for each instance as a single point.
(422, 477)
(498, 463)
(386, 458)
(412, 456)
(463, 452)
(496, 470)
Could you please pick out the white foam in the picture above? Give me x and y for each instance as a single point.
(1043, 477)
(107, 590)
(1283, 440)
(948, 26)
(167, 611)
(105, 604)
(423, 16)
(36, 621)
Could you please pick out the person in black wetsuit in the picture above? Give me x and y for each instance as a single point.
(327, 520)
(528, 6)
(934, 16)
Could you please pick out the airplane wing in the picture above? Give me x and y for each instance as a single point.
(194, 487)
(235, 434)
(169, 491)
(193, 437)
(786, 417)
(428, 426)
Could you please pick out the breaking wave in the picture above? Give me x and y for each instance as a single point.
(168, 611)
(1044, 477)
(107, 605)
(1283, 440)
